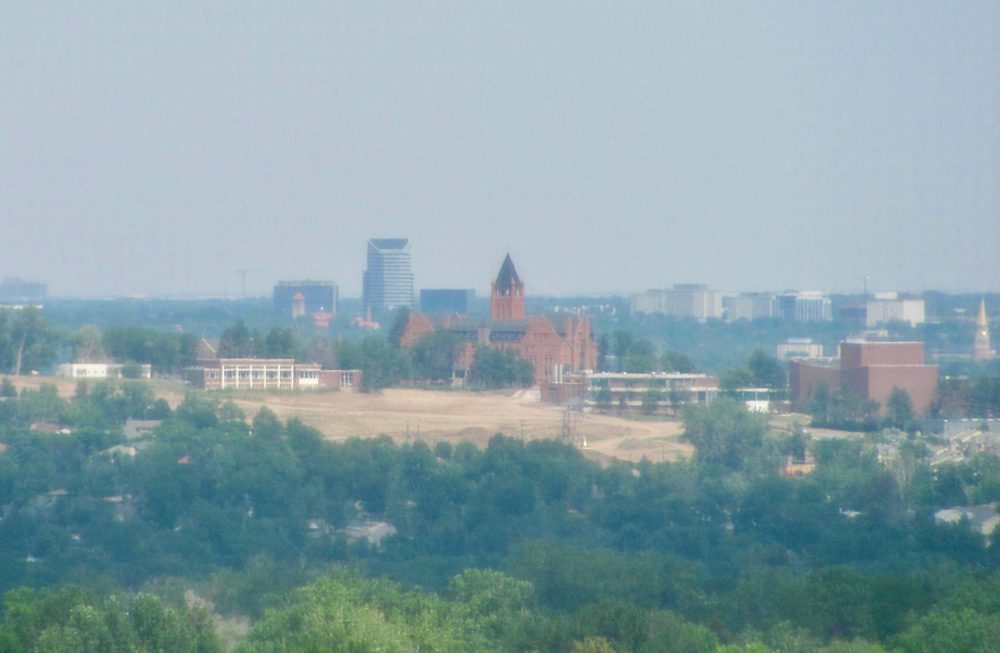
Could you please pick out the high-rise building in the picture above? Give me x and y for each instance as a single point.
(981, 345)
(388, 281)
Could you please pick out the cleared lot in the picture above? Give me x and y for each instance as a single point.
(433, 416)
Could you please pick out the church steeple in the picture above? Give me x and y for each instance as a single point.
(507, 293)
(981, 350)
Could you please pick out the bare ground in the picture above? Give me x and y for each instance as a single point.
(449, 416)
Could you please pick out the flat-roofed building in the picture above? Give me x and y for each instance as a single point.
(890, 307)
(682, 300)
(749, 306)
(446, 300)
(388, 279)
(870, 370)
(805, 306)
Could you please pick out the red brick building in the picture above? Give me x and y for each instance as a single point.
(869, 370)
(553, 347)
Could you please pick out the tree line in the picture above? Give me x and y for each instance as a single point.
(719, 553)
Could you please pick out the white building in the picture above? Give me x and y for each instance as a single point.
(888, 307)
(104, 371)
(683, 300)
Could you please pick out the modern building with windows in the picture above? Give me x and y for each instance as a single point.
(388, 280)
(805, 306)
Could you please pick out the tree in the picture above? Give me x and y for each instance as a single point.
(899, 408)
(434, 354)
(399, 322)
(674, 361)
(650, 400)
(237, 341)
(496, 368)
(29, 340)
(767, 371)
(724, 432)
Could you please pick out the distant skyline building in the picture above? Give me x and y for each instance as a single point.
(749, 306)
(981, 350)
(316, 296)
(887, 307)
(446, 300)
(388, 279)
(682, 300)
(22, 291)
(805, 306)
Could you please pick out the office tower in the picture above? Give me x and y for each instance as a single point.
(388, 281)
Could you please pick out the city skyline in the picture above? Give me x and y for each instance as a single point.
(157, 150)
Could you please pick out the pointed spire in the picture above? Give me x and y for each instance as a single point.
(981, 321)
(507, 275)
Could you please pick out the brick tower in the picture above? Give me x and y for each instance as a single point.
(981, 345)
(507, 294)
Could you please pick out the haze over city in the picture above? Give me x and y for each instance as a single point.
(157, 149)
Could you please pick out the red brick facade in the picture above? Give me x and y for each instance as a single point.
(552, 348)
(870, 370)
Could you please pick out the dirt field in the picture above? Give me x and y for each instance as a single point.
(467, 416)
(433, 416)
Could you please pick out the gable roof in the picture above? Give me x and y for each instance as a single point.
(508, 274)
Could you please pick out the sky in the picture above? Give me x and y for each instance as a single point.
(158, 148)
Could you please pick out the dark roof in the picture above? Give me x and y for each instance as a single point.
(390, 243)
(508, 274)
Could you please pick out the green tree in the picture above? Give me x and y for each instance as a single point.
(674, 361)
(434, 355)
(724, 432)
(767, 371)
(899, 408)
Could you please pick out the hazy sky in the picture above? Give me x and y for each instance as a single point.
(157, 147)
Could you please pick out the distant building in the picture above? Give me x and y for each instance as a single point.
(804, 306)
(888, 307)
(799, 348)
(627, 389)
(446, 300)
(313, 297)
(870, 370)
(105, 370)
(20, 291)
(388, 280)
(268, 374)
(682, 300)
(749, 306)
(981, 350)
(553, 347)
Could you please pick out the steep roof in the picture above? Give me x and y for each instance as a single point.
(508, 274)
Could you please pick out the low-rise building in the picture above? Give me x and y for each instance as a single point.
(799, 348)
(870, 370)
(268, 374)
(105, 370)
